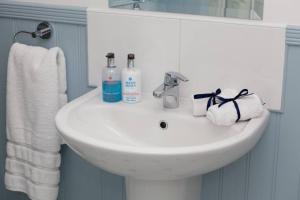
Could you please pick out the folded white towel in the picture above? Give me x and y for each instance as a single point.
(200, 104)
(34, 174)
(226, 115)
(33, 157)
(36, 90)
(33, 190)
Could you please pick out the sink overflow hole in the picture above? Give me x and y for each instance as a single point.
(163, 125)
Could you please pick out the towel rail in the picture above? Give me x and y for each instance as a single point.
(43, 31)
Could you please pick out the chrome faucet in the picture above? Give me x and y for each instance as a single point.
(169, 90)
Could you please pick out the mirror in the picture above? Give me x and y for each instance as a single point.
(243, 9)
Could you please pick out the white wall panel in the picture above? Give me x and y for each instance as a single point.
(233, 56)
(154, 41)
(211, 53)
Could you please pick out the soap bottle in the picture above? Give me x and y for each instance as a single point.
(131, 82)
(111, 81)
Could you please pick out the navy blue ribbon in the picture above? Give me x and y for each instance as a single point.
(212, 97)
(242, 94)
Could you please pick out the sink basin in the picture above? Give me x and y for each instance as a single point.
(162, 153)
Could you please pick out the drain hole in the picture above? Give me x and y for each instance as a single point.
(163, 125)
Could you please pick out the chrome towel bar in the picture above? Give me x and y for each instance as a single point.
(43, 31)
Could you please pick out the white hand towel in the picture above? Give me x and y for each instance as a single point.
(200, 104)
(226, 115)
(36, 175)
(35, 191)
(36, 90)
(34, 157)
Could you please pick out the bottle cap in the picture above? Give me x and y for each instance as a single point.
(131, 56)
(110, 55)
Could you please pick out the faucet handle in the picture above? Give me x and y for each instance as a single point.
(173, 77)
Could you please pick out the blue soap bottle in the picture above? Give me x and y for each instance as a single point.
(111, 81)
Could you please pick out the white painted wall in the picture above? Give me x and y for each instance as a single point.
(282, 11)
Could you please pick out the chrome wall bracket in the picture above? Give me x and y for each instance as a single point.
(43, 31)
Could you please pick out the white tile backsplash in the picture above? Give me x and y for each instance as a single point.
(211, 53)
(233, 56)
(153, 40)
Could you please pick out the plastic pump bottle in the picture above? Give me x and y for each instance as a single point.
(111, 81)
(131, 82)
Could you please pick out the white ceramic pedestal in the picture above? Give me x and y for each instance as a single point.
(184, 189)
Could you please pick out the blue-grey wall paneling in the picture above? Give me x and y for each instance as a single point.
(72, 39)
(112, 186)
(293, 36)
(6, 39)
(288, 155)
(80, 180)
(212, 185)
(299, 188)
(41, 12)
(234, 179)
(30, 25)
(4, 35)
(263, 163)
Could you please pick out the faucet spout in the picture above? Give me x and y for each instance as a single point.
(160, 91)
(169, 90)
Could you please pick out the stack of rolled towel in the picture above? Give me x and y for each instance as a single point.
(226, 107)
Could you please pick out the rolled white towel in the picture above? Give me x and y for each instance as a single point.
(199, 107)
(227, 93)
(200, 101)
(250, 107)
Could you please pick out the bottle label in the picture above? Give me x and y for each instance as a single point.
(130, 93)
(112, 91)
(130, 83)
(130, 97)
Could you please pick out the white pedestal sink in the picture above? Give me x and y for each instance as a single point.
(158, 163)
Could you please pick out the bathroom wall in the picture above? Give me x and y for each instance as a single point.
(191, 45)
(270, 172)
(79, 180)
(277, 11)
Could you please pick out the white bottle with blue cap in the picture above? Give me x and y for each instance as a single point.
(131, 82)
